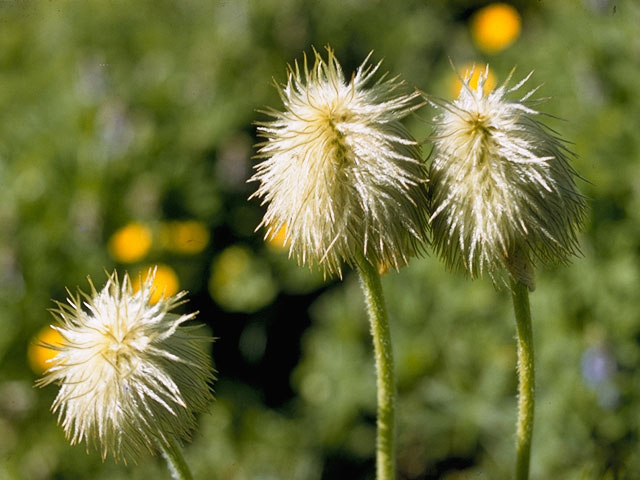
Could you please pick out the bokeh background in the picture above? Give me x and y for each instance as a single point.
(126, 137)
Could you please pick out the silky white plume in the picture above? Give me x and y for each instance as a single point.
(130, 372)
(502, 190)
(340, 172)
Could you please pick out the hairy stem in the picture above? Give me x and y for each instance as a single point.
(381, 335)
(526, 378)
(175, 461)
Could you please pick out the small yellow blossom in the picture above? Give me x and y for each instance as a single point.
(495, 27)
(40, 352)
(131, 243)
(473, 74)
(187, 237)
(279, 240)
(165, 282)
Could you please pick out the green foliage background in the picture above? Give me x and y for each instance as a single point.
(118, 111)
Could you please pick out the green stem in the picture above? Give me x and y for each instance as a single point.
(381, 335)
(526, 378)
(177, 465)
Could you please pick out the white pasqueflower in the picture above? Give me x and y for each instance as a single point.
(130, 373)
(502, 190)
(339, 171)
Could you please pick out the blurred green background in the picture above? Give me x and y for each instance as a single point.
(126, 139)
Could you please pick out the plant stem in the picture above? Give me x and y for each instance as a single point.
(526, 378)
(177, 465)
(381, 335)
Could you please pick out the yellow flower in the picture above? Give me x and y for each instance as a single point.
(130, 243)
(131, 374)
(279, 240)
(165, 282)
(495, 27)
(188, 237)
(40, 352)
(473, 74)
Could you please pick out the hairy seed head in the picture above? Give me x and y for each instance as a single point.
(130, 373)
(502, 190)
(340, 171)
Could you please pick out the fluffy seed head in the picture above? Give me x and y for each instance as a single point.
(130, 373)
(340, 171)
(502, 189)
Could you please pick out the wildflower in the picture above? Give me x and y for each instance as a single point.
(340, 171)
(130, 243)
(278, 241)
(130, 373)
(165, 282)
(187, 237)
(38, 354)
(455, 84)
(502, 188)
(495, 27)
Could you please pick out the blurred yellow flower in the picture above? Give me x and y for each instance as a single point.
(473, 73)
(165, 282)
(38, 353)
(188, 237)
(278, 240)
(495, 27)
(130, 243)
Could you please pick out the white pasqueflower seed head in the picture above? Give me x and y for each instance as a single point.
(502, 190)
(339, 171)
(130, 373)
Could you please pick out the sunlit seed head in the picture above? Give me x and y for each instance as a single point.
(502, 190)
(130, 373)
(340, 171)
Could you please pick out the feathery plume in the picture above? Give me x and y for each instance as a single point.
(340, 171)
(502, 190)
(130, 372)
